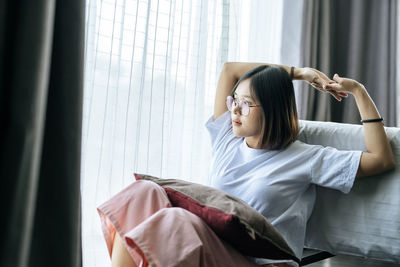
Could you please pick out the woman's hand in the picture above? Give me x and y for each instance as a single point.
(379, 156)
(320, 81)
(344, 85)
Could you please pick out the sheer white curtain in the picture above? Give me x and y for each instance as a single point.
(150, 78)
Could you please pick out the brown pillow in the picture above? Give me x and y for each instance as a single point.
(229, 217)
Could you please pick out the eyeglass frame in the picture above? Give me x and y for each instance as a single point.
(240, 104)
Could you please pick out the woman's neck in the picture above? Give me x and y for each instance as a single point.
(253, 142)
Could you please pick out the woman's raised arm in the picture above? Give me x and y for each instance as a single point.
(379, 156)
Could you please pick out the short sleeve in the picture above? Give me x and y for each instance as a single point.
(220, 130)
(334, 168)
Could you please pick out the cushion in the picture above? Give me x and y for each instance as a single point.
(229, 217)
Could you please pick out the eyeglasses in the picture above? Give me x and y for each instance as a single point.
(244, 106)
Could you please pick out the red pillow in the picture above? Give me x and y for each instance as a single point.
(230, 218)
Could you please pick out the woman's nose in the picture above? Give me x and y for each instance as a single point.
(236, 109)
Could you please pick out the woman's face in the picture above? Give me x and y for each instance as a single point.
(249, 126)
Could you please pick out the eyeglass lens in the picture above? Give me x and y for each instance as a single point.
(243, 105)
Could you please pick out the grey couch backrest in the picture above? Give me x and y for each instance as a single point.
(365, 222)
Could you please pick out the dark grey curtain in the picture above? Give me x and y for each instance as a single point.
(41, 83)
(356, 39)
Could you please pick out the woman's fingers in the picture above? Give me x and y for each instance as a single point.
(325, 78)
(321, 82)
(324, 84)
(336, 88)
(317, 86)
(335, 95)
(333, 86)
(336, 78)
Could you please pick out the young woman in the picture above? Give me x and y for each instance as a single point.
(256, 158)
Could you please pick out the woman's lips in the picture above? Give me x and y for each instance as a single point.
(236, 123)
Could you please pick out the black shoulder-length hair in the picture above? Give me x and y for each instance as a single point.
(273, 88)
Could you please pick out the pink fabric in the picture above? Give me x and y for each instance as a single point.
(156, 234)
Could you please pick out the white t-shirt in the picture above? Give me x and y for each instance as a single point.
(280, 184)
